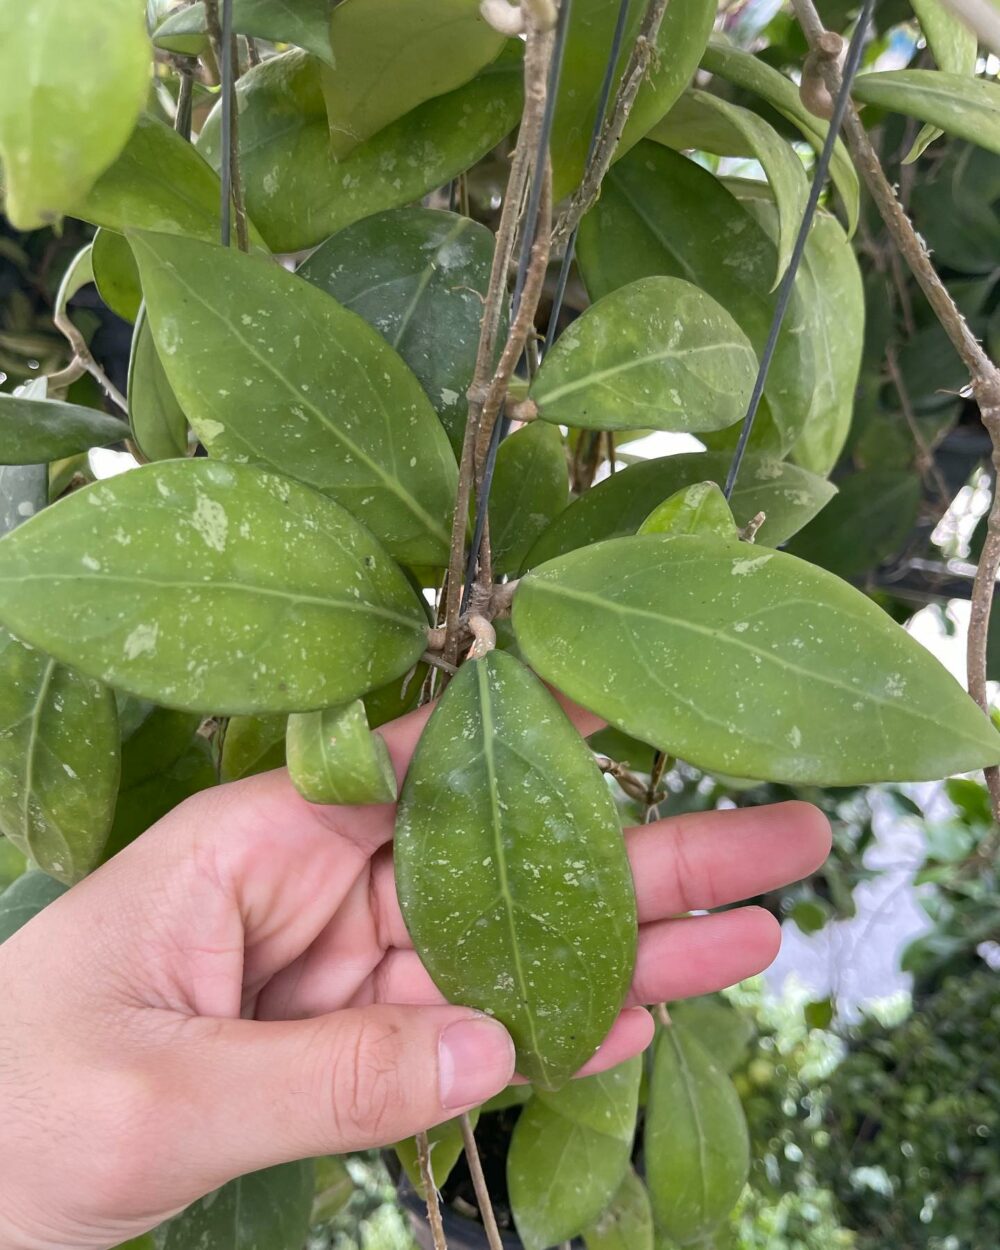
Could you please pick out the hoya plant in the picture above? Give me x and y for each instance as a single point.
(402, 284)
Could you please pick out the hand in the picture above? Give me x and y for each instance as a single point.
(237, 989)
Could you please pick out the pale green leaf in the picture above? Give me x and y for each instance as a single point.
(530, 489)
(78, 273)
(36, 430)
(302, 22)
(530, 914)
(73, 77)
(253, 744)
(955, 50)
(723, 1030)
(158, 423)
(267, 1210)
(24, 898)
(334, 1188)
(697, 509)
(211, 587)
(333, 757)
(748, 662)
(627, 1224)
(271, 370)
(446, 1145)
(966, 107)
(115, 274)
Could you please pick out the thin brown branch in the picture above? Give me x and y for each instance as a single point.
(430, 1192)
(486, 1214)
(83, 358)
(640, 58)
(926, 464)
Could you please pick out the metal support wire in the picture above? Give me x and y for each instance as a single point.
(617, 39)
(787, 282)
(227, 74)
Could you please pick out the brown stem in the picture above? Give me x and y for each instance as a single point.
(926, 464)
(479, 1185)
(83, 358)
(430, 1192)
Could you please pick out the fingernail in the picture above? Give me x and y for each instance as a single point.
(475, 1061)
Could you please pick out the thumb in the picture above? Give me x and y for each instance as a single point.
(266, 1092)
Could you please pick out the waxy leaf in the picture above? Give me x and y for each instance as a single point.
(530, 915)
(787, 495)
(530, 489)
(302, 22)
(697, 1150)
(748, 662)
(25, 898)
(446, 1146)
(158, 423)
(115, 274)
(955, 49)
(419, 276)
(37, 430)
(334, 1188)
(267, 1210)
(723, 1030)
(627, 1224)
(392, 55)
(967, 107)
(24, 490)
(270, 369)
(59, 761)
(298, 196)
(657, 353)
(333, 757)
(660, 213)
(569, 1154)
(73, 77)
(697, 509)
(211, 587)
(253, 744)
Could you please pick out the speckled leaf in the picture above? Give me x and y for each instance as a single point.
(73, 77)
(36, 430)
(966, 107)
(333, 757)
(298, 196)
(752, 74)
(305, 23)
(697, 1150)
(683, 34)
(530, 915)
(569, 1154)
(393, 55)
(25, 898)
(267, 1210)
(253, 744)
(419, 276)
(660, 213)
(211, 587)
(271, 370)
(530, 489)
(697, 509)
(24, 490)
(748, 662)
(158, 423)
(446, 1147)
(627, 1224)
(115, 274)
(657, 353)
(59, 761)
(789, 496)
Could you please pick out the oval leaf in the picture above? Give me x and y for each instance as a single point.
(654, 354)
(697, 1149)
(333, 757)
(305, 23)
(158, 423)
(115, 274)
(25, 898)
(955, 49)
(698, 509)
(530, 489)
(212, 587)
(967, 107)
(59, 760)
(531, 914)
(270, 369)
(627, 1224)
(269, 1209)
(37, 430)
(808, 682)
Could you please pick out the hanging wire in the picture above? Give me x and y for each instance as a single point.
(617, 39)
(227, 73)
(785, 292)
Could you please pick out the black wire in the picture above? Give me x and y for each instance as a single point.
(226, 73)
(787, 282)
(602, 107)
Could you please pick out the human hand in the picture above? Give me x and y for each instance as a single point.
(237, 989)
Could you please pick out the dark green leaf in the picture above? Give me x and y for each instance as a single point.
(270, 369)
(967, 107)
(267, 1210)
(530, 915)
(530, 489)
(25, 898)
(212, 587)
(333, 757)
(158, 423)
(115, 274)
(36, 430)
(302, 22)
(697, 509)
(13, 863)
(747, 662)
(627, 1224)
(818, 1014)
(253, 744)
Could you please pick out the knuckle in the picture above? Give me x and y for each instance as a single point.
(367, 1090)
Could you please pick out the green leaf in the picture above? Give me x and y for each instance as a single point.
(59, 760)
(25, 898)
(333, 757)
(78, 273)
(419, 276)
(955, 50)
(253, 353)
(697, 509)
(73, 77)
(789, 496)
(752, 74)
(211, 587)
(446, 1146)
(660, 213)
(253, 744)
(158, 423)
(302, 22)
(722, 1030)
(627, 1224)
(115, 274)
(531, 914)
(392, 55)
(696, 1146)
(569, 1154)
(869, 521)
(36, 430)
(267, 1210)
(13, 863)
(334, 1188)
(530, 489)
(966, 107)
(298, 196)
(747, 662)
(683, 34)
(24, 490)
(657, 353)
